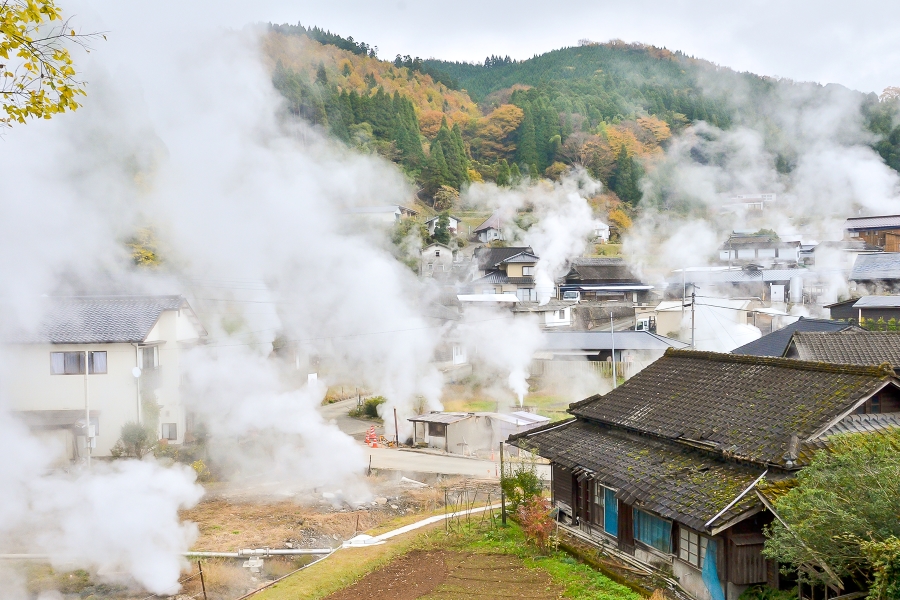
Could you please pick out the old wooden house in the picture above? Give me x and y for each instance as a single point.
(674, 466)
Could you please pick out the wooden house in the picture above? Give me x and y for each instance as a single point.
(679, 467)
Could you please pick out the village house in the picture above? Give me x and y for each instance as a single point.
(877, 307)
(747, 203)
(552, 315)
(601, 278)
(777, 342)
(761, 249)
(490, 230)
(109, 355)
(436, 258)
(383, 215)
(852, 346)
(881, 231)
(452, 226)
(471, 433)
(877, 273)
(505, 271)
(679, 467)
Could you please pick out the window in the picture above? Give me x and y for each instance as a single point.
(597, 511)
(653, 531)
(526, 271)
(875, 405)
(97, 362)
(170, 431)
(526, 294)
(437, 429)
(562, 315)
(149, 357)
(72, 363)
(691, 547)
(437, 252)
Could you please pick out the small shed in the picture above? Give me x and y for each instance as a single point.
(470, 433)
(878, 307)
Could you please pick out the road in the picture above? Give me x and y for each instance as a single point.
(410, 461)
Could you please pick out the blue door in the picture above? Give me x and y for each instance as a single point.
(610, 512)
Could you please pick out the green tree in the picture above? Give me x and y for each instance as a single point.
(135, 441)
(626, 179)
(527, 152)
(43, 83)
(848, 496)
(321, 76)
(436, 172)
(442, 229)
(503, 176)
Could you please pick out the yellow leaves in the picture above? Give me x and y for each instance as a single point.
(657, 127)
(620, 219)
(43, 82)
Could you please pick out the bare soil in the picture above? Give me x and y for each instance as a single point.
(444, 575)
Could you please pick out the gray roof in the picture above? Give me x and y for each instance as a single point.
(880, 222)
(490, 258)
(492, 222)
(775, 343)
(522, 257)
(847, 347)
(865, 424)
(605, 340)
(100, 319)
(441, 417)
(878, 302)
(868, 267)
(741, 275)
(552, 304)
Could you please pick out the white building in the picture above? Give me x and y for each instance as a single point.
(601, 232)
(134, 347)
(436, 258)
(453, 224)
(490, 230)
(387, 215)
(553, 314)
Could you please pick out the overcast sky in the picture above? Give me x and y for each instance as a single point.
(853, 43)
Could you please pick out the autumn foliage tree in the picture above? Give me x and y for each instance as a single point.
(37, 74)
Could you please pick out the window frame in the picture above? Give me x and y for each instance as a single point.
(699, 547)
(72, 362)
(638, 517)
(438, 426)
(171, 434)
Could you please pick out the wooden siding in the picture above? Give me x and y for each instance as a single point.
(626, 528)
(746, 564)
(562, 485)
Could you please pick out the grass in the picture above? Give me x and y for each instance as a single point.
(579, 580)
(348, 566)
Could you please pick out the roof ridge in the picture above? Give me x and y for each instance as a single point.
(788, 363)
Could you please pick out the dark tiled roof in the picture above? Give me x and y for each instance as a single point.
(526, 280)
(600, 270)
(847, 347)
(551, 305)
(869, 267)
(491, 277)
(746, 407)
(675, 482)
(489, 258)
(876, 423)
(775, 343)
(101, 319)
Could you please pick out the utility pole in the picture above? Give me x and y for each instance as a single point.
(612, 337)
(693, 301)
(87, 410)
(396, 429)
(502, 494)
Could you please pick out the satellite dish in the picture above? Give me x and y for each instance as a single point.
(136, 372)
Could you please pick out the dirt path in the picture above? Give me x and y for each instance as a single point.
(443, 575)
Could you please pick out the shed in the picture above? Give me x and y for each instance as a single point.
(878, 307)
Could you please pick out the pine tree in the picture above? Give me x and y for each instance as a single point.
(503, 172)
(442, 229)
(436, 172)
(527, 150)
(625, 181)
(321, 76)
(515, 176)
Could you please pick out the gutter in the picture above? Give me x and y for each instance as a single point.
(736, 500)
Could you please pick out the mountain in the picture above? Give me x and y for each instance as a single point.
(609, 107)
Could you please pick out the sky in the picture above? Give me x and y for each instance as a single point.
(857, 45)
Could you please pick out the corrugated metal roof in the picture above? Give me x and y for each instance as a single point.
(605, 340)
(492, 222)
(441, 417)
(885, 221)
(878, 302)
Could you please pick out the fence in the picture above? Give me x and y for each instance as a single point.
(579, 368)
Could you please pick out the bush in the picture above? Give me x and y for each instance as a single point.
(134, 442)
(764, 592)
(369, 408)
(537, 525)
(520, 484)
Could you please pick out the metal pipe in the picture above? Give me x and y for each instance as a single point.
(245, 552)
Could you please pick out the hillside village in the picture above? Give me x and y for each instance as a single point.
(438, 329)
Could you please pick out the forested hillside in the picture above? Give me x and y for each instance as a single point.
(609, 107)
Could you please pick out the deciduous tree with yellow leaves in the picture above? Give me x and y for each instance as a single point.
(37, 75)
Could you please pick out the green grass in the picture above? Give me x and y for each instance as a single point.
(579, 580)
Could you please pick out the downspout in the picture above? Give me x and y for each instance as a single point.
(137, 365)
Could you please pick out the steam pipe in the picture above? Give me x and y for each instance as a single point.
(245, 552)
